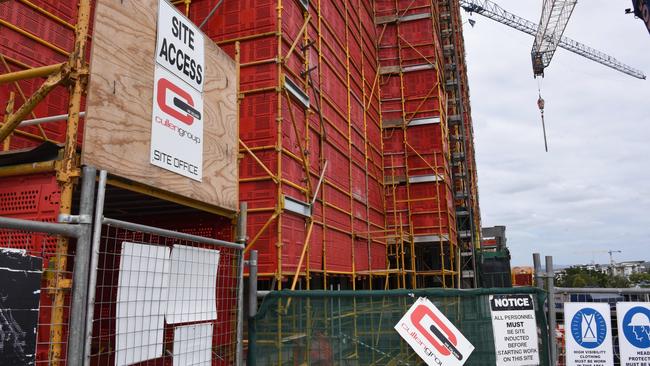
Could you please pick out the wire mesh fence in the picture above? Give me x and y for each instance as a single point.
(611, 297)
(35, 283)
(164, 300)
(357, 327)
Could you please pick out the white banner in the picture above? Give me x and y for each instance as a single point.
(432, 336)
(515, 330)
(634, 333)
(588, 334)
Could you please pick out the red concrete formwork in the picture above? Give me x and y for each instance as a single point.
(22, 50)
(34, 197)
(414, 96)
(342, 127)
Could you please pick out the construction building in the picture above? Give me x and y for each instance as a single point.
(356, 142)
(356, 155)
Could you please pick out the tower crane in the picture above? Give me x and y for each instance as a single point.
(548, 35)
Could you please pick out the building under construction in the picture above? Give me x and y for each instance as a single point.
(356, 142)
(355, 152)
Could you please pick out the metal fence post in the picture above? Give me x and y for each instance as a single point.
(241, 239)
(550, 282)
(252, 307)
(537, 267)
(77, 334)
(94, 258)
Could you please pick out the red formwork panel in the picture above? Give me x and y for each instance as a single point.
(417, 32)
(377, 217)
(362, 255)
(369, 256)
(257, 119)
(294, 233)
(293, 19)
(425, 138)
(258, 194)
(420, 83)
(235, 19)
(266, 242)
(295, 63)
(338, 166)
(338, 251)
(358, 149)
(316, 248)
(17, 46)
(378, 252)
(30, 197)
(384, 8)
(249, 167)
(34, 197)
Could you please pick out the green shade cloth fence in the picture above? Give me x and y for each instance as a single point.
(356, 327)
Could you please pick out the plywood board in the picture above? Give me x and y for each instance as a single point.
(119, 107)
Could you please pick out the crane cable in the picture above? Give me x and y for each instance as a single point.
(540, 105)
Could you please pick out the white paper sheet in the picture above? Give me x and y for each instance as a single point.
(141, 302)
(193, 345)
(192, 285)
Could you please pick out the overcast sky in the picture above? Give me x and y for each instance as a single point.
(591, 191)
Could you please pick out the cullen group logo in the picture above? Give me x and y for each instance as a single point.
(432, 336)
(180, 105)
(437, 334)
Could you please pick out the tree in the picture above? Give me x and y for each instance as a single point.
(583, 277)
(640, 279)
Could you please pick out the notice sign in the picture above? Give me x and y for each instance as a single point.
(634, 333)
(515, 330)
(432, 336)
(177, 116)
(589, 335)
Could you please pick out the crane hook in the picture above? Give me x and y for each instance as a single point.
(540, 105)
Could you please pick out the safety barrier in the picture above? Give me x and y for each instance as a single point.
(357, 327)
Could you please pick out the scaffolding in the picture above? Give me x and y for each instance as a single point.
(329, 201)
(461, 139)
(417, 155)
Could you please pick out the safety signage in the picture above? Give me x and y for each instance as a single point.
(177, 126)
(515, 330)
(180, 46)
(432, 336)
(589, 334)
(634, 333)
(177, 116)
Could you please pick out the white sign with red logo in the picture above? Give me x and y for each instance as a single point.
(177, 115)
(432, 336)
(177, 126)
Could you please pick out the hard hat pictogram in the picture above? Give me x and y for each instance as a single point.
(639, 320)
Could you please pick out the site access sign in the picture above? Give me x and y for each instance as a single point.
(589, 334)
(432, 336)
(634, 333)
(515, 330)
(177, 116)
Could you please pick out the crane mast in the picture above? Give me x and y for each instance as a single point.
(493, 11)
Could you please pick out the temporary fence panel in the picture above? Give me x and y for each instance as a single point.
(36, 197)
(164, 299)
(357, 327)
(598, 296)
